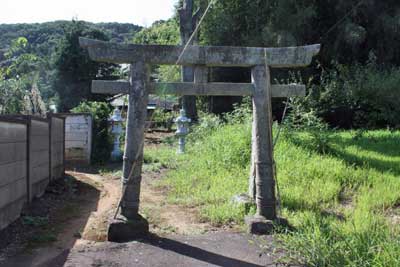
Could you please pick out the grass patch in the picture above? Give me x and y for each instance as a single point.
(339, 202)
(210, 174)
(35, 221)
(42, 238)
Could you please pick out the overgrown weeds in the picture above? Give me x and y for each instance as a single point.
(337, 187)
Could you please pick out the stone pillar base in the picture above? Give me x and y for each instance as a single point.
(259, 225)
(123, 230)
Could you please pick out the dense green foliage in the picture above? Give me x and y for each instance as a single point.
(351, 32)
(11, 97)
(43, 37)
(163, 119)
(75, 70)
(356, 96)
(348, 30)
(163, 33)
(46, 57)
(343, 203)
(19, 76)
(160, 32)
(102, 142)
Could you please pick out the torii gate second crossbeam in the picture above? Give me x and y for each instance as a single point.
(130, 224)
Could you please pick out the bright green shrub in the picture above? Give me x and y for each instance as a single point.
(357, 96)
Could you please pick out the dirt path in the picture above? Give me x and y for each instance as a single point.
(178, 238)
(96, 227)
(84, 220)
(166, 218)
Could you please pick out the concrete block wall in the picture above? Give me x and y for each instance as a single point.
(13, 169)
(78, 138)
(39, 156)
(31, 155)
(57, 139)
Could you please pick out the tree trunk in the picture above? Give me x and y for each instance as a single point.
(187, 26)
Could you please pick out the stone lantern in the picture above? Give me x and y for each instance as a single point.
(116, 130)
(182, 123)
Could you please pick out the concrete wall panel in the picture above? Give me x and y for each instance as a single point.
(11, 152)
(44, 155)
(39, 143)
(39, 173)
(57, 148)
(12, 132)
(39, 179)
(78, 137)
(39, 128)
(12, 192)
(11, 212)
(12, 172)
(39, 158)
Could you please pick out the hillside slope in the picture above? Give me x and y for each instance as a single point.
(43, 36)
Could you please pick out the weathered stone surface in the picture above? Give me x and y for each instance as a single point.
(201, 75)
(258, 225)
(133, 152)
(252, 174)
(282, 57)
(263, 158)
(110, 87)
(124, 230)
(204, 89)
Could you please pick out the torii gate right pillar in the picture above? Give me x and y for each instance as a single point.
(262, 153)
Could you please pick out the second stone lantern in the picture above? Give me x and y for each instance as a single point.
(182, 123)
(116, 130)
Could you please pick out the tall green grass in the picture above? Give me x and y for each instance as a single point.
(340, 203)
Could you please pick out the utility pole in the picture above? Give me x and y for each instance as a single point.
(188, 23)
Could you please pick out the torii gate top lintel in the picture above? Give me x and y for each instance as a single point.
(222, 56)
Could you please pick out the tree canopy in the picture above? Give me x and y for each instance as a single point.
(348, 29)
(75, 70)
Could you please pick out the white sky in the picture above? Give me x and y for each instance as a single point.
(140, 12)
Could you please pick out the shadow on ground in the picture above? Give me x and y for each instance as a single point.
(375, 152)
(50, 225)
(196, 252)
(223, 249)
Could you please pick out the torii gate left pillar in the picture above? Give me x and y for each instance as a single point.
(135, 225)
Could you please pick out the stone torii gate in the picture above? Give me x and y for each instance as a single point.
(130, 224)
